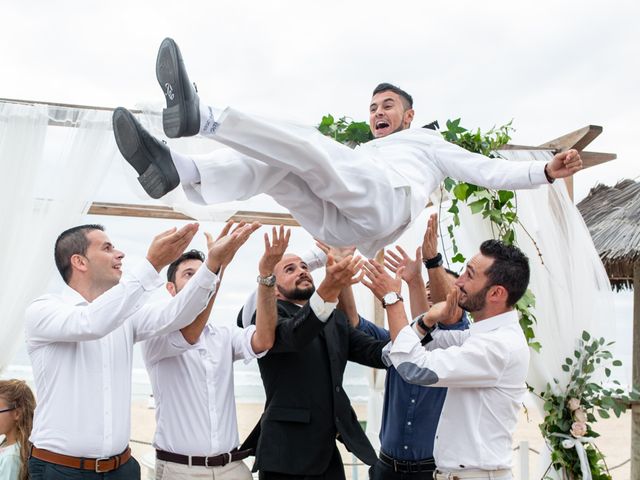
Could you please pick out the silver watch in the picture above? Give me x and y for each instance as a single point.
(268, 281)
(391, 298)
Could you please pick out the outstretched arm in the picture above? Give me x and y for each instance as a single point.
(412, 275)
(221, 250)
(267, 308)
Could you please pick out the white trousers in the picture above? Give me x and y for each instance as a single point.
(365, 196)
(175, 471)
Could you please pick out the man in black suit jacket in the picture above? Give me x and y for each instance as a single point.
(306, 407)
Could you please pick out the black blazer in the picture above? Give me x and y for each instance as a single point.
(306, 406)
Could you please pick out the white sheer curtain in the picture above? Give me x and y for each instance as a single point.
(49, 175)
(567, 277)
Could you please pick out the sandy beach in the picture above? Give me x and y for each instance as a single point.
(614, 440)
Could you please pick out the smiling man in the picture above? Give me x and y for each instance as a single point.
(81, 347)
(306, 407)
(485, 367)
(366, 196)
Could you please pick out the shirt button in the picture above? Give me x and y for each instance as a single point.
(338, 388)
(413, 400)
(406, 447)
(408, 423)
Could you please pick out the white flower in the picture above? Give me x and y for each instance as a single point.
(580, 415)
(573, 404)
(567, 443)
(578, 429)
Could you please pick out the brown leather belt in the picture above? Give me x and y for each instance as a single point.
(217, 461)
(98, 465)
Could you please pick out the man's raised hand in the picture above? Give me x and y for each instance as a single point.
(430, 239)
(378, 280)
(564, 164)
(339, 275)
(169, 245)
(222, 250)
(273, 250)
(444, 312)
(338, 253)
(411, 268)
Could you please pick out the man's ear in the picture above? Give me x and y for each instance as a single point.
(171, 288)
(408, 117)
(78, 262)
(498, 294)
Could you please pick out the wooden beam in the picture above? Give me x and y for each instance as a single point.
(635, 375)
(162, 211)
(134, 210)
(265, 218)
(591, 159)
(578, 139)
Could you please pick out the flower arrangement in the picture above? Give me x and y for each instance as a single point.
(570, 414)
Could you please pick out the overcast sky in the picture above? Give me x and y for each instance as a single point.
(551, 66)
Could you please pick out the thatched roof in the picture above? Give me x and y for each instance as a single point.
(612, 215)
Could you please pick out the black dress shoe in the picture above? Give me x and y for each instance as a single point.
(150, 157)
(181, 118)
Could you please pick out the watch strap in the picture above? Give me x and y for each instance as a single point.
(433, 262)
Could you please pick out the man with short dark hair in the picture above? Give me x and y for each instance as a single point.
(307, 408)
(191, 373)
(410, 413)
(81, 347)
(484, 368)
(365, 197)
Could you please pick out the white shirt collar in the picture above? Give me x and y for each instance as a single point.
(493, 323)
(73, 297)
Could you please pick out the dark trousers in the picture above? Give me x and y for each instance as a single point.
(41, 470)
(335, 471)
(382, 471)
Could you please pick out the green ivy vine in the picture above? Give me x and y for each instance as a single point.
(499, 206)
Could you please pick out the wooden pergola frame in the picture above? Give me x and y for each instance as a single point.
(578, 139)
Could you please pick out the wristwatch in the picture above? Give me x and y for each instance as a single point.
(433, 262)
(391, 298)
(268, 281)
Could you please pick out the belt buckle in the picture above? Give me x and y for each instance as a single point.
(98, 460)
(224, 458)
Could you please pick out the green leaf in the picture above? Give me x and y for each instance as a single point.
(603, 413)
(459, 258)
(477, 206)
(616, 363)
(585, 336)
(460, 191)
(565, 368)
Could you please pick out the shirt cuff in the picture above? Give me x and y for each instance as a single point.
(322, 309)
(147, 275)
(405, 341)
(206, 279)
(386, 352)
(536, 174)
(314, 258)
(249, 354)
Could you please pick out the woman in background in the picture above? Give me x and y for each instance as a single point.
(16, 418)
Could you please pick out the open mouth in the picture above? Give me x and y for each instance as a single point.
(382, 124)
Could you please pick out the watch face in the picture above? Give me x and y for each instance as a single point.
(390, 298)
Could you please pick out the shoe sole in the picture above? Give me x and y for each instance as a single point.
(175, 118)
(127, 134)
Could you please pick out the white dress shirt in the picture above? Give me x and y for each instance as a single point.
(365, 196)
(485, 369)
(193, 389)
(82, 352)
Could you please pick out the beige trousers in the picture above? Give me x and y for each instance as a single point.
(175, 471)
(474, 475)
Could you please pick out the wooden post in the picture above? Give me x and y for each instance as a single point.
(635, 377)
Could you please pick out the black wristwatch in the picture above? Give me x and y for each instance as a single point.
(434, 262)
(427, 337)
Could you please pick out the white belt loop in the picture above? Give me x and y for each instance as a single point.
(189, 461)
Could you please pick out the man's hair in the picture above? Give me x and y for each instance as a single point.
(388, 87)
(189, 255)
(72, 242)
(510, 268)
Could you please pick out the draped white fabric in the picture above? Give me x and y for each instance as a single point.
(49, 176)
